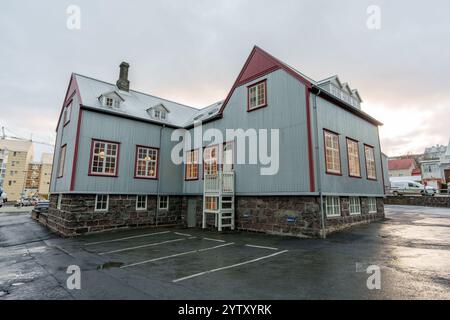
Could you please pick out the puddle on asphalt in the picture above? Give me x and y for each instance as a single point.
(109, 265)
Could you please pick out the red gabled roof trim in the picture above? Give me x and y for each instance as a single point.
(276, 64)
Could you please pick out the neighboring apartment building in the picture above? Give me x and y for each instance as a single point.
(3, 162)
(401, 167)
(45, 177)
(113, 163)
(20, 153)
(33, 176)
(434, 152)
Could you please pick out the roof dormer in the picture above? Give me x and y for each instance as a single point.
(158, 112)
(111, 99)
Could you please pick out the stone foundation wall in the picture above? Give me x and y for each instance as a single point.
(289, 215)
(428, 201)
(77, 215)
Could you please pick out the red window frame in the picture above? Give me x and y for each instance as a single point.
(136, 176)
(196, 164)
(325, 131)
(100, 174)
(63, 147)
(265, 95)
(374, 162)
(347, 139)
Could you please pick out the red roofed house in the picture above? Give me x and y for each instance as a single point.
(401, 167)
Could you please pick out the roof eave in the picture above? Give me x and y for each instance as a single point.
(325, 94)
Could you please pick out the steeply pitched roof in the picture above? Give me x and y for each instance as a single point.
(400, 164)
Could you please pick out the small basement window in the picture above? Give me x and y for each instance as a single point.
(372, 204)
(332, 207)
(141, 202)
(163, 202)
(211, 203)
(355, 206)
(101, 202)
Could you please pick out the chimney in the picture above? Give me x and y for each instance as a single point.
(123, 83)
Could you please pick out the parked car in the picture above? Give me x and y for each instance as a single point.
(3, 197)
(24, 202)
(408, 187)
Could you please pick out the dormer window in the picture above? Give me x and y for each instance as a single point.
(109, 102)
(111, 99)
(158, 112)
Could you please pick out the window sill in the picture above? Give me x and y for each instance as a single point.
(334, 217)
(356, 177)
(146, 178)
(334, 173)
(102, 175)
(256, 108)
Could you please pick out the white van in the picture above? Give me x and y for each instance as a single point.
(399, 188)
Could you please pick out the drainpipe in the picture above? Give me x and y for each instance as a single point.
(159, 174)
(318, 168)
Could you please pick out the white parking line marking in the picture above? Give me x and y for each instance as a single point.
(176, 255)
(260, 247)
(217, 240)
(143, 246)
(229, 267)
(182, 234)
(126, 238)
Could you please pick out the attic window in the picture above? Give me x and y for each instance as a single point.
(257, 95)
(159, 114)
(109, 102)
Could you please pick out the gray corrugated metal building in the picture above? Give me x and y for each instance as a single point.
(114, 167)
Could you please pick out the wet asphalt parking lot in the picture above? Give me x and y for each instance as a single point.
(411, 247)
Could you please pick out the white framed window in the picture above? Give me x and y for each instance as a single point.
(62, 160)
(372, 204)
(159, 114)
(332, 152)
(163, 202)
(335, 91)
(101, 202)
(141, 202)
(104, 158)
(58, 203)
(211, 203)
(109, 102)
(191, 167)
(210, 157)
(257, 95)
(354, 168)
(355, 205)
(370, 162)
(146, 162)
(332, 206)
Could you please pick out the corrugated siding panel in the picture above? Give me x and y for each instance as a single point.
(286, 111)
(129, 133)
(65, 135)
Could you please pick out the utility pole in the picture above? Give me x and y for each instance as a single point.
(3, 133)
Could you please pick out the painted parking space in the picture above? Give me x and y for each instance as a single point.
(179, 255)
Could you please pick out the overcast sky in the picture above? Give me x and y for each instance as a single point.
(192, 51)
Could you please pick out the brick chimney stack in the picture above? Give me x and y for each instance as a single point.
(123, 83)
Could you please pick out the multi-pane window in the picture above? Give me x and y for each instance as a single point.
(228, 160)
(355, 205)
(211, 203)
(67, 113)
(332, 153)
(257, 95)
(211, 160)
(332, 206)
(354, 169)
(191, 168)
(372, 204)
(370, 162)
(146, 162)
(109, 102)
(163, 202)
(62, 160)
(141, 202)
(104, 158)
(101, 202)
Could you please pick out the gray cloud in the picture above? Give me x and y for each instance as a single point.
(191, 51)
